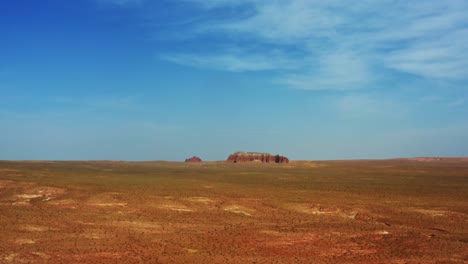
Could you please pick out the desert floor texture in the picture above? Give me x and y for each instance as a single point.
(368, 211)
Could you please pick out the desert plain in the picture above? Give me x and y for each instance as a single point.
(361, 211)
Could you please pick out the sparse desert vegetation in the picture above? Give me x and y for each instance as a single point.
(382, 211)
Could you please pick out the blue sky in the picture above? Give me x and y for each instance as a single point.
(168, 79)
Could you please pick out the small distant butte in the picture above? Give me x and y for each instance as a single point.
(193, 159)
(240, 157)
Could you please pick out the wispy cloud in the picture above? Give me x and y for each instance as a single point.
(233, 62)
(337, 71)
(365, 105)
(288, 22)
(443, 58)
(344, 45)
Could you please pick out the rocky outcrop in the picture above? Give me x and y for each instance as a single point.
(193, 159)
(240, 157)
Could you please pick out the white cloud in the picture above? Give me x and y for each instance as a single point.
(338, 71)
(286, 21)
(233, 62)
(348, 42)
(368, 106)
(444, 58)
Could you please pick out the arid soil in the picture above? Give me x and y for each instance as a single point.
(387, 211)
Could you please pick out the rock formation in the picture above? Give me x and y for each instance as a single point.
(255, 156)
(193, 159)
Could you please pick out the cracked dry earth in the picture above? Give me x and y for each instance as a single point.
(395, 211)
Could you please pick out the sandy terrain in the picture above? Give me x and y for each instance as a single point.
(390, 211)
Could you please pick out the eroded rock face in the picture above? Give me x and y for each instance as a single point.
(193, 159)
(239, 157)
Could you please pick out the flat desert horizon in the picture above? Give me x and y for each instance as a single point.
(111, 88)
(353, 211)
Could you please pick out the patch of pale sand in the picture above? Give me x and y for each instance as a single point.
(10, 257)
(24, 200)
(21, 203)
(85, 223)
(238, 209)
(199, 199)
(173, 206)
(430, 212)
(306, 208)
(113, 193)
(93, 234)
(64, 203)
(127, 210)
(46, 191)
(29, 196)
(315, 209)
(24, 241)
(382, 232)
(110, 204)
(36, 228)
(140, 226)
(191, 250)
(350, 215)
(270, 232)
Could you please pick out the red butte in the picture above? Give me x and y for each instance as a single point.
(193, 159)
(239, 157)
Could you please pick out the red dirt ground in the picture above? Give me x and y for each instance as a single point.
(392, 211)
